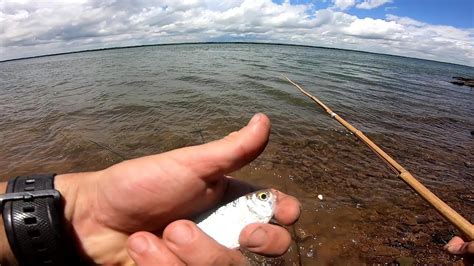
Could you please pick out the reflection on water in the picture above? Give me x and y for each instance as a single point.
(57, 111)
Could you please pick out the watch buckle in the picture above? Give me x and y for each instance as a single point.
(28, 196)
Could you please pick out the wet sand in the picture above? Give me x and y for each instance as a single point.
(356, 224)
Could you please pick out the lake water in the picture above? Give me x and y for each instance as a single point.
(87, 111)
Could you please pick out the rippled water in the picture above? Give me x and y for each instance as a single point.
(89, 110)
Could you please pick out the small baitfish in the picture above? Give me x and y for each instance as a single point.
(225, 223)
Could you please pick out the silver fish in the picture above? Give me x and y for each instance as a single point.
(225, 224)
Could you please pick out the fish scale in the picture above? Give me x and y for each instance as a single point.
(225, 224)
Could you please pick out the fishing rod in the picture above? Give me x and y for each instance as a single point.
(103, 146)
(447, 212)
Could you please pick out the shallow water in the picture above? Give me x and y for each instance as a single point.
(58, 111)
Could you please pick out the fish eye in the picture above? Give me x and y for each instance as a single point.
(262, 196)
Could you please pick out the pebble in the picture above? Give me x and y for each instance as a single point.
(386, 251)
(355, 185)
(466, 197)
(373, 218)
(307, 163)
(422, 239)
(421, 219)
(405, 261)
(267, 166)
(301, 235)
(310, 253)
(410, 220)
(403, 227)
(320, 197)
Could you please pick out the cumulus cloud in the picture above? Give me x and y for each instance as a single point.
(369, 4)
(32, 28)
(344, 4)
(362, 4)
(374, 29)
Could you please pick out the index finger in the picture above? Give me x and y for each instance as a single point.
(287, 210)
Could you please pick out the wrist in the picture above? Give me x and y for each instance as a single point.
(76, 208)
(6, 254)
(68, 186)
(79, 193)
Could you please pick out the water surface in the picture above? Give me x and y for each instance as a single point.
(63, 114)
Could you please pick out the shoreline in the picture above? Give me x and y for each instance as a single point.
(243, 43)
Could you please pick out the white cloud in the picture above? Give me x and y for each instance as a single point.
(370, 4)
(32, 27)
(435, 41)
(405, 21)
(344, 4)
(374, 29)
(362, 4)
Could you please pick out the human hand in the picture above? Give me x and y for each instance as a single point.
(183, 243)
(457, 246)
(146, 194)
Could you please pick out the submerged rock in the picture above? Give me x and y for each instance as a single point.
(466, 197)
(405, 261)
(386, 251)
(461, 81)
(422, 219)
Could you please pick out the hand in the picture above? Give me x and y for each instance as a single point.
(183, 243)
(457, 246)
(146, 194)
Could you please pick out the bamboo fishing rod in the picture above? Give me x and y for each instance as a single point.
(447, 212)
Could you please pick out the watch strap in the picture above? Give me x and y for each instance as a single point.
(33, 224)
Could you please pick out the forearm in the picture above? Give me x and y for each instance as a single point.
(6, 255)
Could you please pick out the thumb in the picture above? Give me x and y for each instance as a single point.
(194, 247)
(213, 159)
(147, 249)
(457, 246)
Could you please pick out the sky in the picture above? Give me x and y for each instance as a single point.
(441, 30)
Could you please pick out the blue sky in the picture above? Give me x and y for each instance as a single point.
(439, 30)
(457, 13)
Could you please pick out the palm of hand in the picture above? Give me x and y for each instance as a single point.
(151, 198)
(147, 193)
(143, 201)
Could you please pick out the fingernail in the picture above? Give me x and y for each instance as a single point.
(139, 244)
(257, 238)
(451, 249)
(255, 119)
(182, 234)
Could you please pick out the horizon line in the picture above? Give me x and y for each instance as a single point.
(222, 42)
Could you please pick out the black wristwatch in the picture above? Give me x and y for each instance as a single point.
(32, 213)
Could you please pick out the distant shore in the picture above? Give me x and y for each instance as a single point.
(203, 43)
